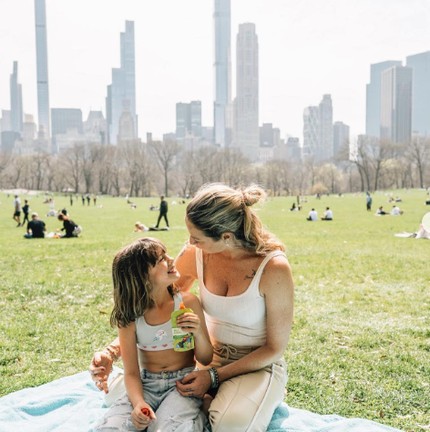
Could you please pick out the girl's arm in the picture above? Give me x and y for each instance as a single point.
(195, 323)
(133, 383)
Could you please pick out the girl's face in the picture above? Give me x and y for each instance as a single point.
(201, 241)
(164, 271)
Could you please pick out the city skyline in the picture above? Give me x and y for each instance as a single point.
(306, 50)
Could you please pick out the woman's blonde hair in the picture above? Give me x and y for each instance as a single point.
(130, 274)
(217, 208)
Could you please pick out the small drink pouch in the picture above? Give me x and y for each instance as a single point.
(182, 341)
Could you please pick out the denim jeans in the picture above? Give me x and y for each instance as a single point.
(173, 411)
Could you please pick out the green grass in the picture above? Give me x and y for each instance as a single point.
(360, 345)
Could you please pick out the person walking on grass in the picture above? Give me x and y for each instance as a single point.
(17, 210)
(25, 210)
(163, 212)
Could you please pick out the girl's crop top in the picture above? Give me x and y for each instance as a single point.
(156, 337)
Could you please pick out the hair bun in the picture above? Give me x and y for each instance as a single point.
(253, 194)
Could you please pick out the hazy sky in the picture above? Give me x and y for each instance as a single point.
(307, 48)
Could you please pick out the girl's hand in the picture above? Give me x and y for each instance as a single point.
(142, 415)
(189, 322)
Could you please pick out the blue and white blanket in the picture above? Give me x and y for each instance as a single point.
(73, 404)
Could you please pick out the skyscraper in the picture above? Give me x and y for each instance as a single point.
(222, 70)
(188, 119)
(310, 130)
(42, 69)
(318, 130)
(340, 137)
(121, 93)
(246, 131)
(16, 111)
(396, 104)
(420, 64)
(325, 149)
(373, 97)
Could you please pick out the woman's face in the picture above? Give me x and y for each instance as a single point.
(201, 241)
(164, 271)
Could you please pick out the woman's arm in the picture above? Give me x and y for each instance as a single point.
(277, 286)
(101, 364)
(195, 323)
(185, 263)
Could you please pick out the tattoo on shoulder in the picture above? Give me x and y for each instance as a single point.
(251, 276)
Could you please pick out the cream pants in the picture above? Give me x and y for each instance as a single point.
(246, 402)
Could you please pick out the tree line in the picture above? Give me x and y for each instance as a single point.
(144, 169)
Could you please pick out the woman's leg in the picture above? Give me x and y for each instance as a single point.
(247, 402)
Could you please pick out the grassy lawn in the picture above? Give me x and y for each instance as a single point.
(360, 345)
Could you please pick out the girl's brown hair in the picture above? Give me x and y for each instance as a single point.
(130, 275)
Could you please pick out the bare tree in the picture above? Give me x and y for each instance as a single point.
(418, 152)
(74, 162)
(165, 153)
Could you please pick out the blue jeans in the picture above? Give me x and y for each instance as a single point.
(173, 411)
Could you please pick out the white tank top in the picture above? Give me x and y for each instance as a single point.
(239, 320)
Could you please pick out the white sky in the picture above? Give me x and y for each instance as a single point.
(307, 48)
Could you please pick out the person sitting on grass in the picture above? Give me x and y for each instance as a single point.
(328, 215)
(144, 300)
(35, 228)
(69, 227)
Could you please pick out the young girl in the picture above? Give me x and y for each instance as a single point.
(144, 299)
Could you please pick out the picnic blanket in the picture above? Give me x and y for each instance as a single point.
(74, 404)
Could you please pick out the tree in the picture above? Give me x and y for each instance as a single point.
(418, 152)
(165, 153)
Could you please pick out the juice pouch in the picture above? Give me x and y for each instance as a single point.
(181, 341)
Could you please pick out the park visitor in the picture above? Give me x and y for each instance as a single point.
(246, 289)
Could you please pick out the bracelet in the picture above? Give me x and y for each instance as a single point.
(214, 377)
(113, 353)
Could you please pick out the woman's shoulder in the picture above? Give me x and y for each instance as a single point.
(277, 265)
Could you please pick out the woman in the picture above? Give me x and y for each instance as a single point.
(246, 289)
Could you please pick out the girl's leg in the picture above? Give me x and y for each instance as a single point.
(179, 413)
(247, 402)
(116, 416)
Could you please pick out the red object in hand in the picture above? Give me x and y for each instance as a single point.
(145, 411)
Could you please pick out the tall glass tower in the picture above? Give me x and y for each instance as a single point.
(222, 70)
(42, 68)
(420, 64)
(396, 104)
(121, 93)
(373, 97)
(16, 111)
(246, 131)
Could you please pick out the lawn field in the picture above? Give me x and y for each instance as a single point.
(360, 344)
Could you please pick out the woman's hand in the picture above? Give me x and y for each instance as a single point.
(100, 369)
(195, 384)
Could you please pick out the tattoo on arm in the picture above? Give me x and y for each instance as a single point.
(251, 276)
